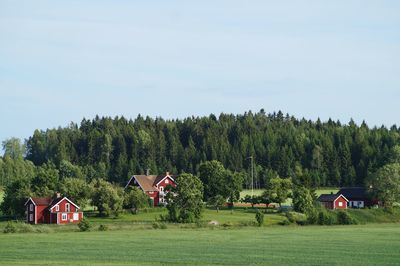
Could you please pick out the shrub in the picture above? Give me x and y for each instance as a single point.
(285, 222)
(326, 217)
(157, 225)
(343, 217)
(227, 224)
(296, 217)
(103, 227)
(84, 225)
(25, 228)
(259, 218)
(11, 227)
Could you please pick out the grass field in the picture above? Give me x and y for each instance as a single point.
(312, 245)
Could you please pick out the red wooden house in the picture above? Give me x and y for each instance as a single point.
(333, 201)
(56, 210)
(153, 186)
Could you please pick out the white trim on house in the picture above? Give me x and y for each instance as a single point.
(334, 206)
(35, 214)
(30, 199)
(64, 215)
(62, 200)
(129, 182)
(167, 176)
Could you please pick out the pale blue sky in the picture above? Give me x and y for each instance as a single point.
(61, 61)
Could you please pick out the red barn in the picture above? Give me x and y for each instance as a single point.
(333, 201)
(56, 210)
(153, 186)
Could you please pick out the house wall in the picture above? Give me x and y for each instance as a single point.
(327, 204)
(340, 203)
(164, 183)
(29, 212)
(153, 195)
(58, 215)
(40, 214)
(62, 207)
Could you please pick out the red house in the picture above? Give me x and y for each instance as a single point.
(56, 210)
(333, 201)
(153, 186)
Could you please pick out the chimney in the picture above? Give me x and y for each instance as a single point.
(147, 171)
(57, 195)
(167, 173)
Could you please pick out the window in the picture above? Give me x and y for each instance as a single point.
(340, 204)
(162, 189)
(76, 216)
(31, 217)
(64, 217)
(67, 207)
(57, 208)
(166, 181)
(31, 207)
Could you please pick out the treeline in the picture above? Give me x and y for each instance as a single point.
(311, 153)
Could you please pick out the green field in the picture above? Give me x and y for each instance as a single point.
(311, 245)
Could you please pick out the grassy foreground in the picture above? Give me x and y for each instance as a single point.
(313, 245)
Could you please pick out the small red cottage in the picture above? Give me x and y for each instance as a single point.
(153, 186)
(56, 210)
(333, 201)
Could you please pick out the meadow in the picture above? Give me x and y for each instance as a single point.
(275, 245)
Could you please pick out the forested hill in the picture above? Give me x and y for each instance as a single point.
(313, 153)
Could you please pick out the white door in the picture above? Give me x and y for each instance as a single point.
(76, 216)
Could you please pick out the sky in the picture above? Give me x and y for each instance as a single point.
(61, 61)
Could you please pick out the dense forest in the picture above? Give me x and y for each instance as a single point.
(312, 153)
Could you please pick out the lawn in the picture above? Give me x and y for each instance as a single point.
(276, 245)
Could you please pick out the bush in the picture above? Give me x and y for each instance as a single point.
(343, 217)
(11, 227)
(285, 222)
(296, 217)
(25, 228)
(326, 217)
(84, 225)
(259, 218)
(157, 225)
(103, 227)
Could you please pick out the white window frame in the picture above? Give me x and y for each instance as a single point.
(166, 181)
(162, 189)
(64, 217)
(57, 208)
(67, 207)
(31, 207)
(75, 216)
(340, 204)
(31, 217)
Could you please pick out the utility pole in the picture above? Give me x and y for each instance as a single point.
(252, 175)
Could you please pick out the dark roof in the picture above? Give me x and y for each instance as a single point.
(328, 197)
(41, 201)
(354, 193)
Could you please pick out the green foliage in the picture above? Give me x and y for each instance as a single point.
(302, 199)
(259, 218)
(185, 203)
(279, 189)
(11, 227)
(385, 184)
(78, 190)
(135, 199)
(103, 227)
(107, 198)
(84, 225)
(13, 148)
(296, 217)
(45, 182)
(15, 195)
(216, 201)
(314, 154)
(343, 217)
(158, 225)
(326, 217)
